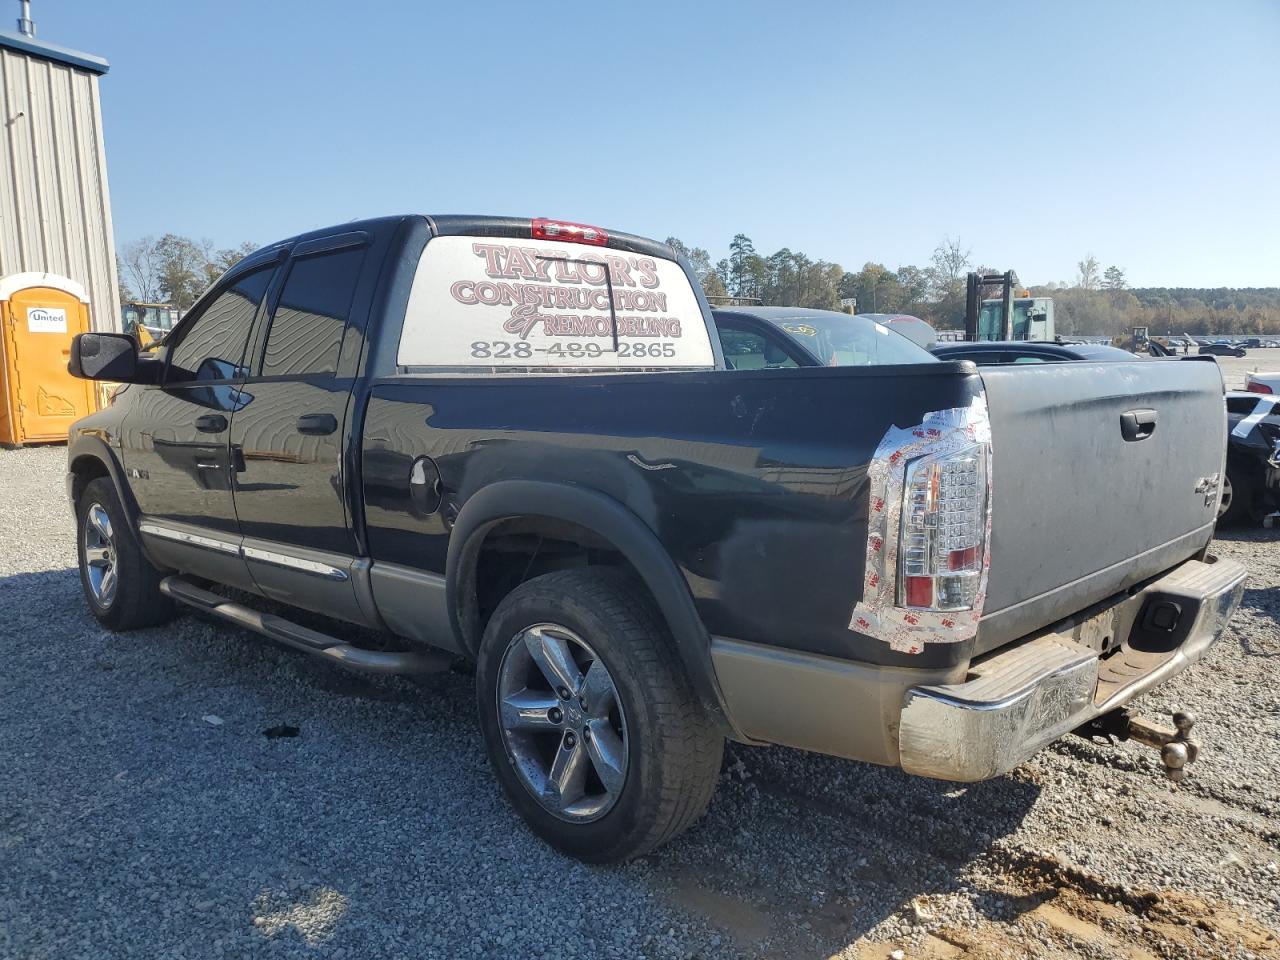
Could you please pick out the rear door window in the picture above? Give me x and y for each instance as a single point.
(306, 331)
(484, 303)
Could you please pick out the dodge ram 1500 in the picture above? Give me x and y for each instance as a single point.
(521, 442)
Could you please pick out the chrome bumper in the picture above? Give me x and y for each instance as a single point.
(1022, 698)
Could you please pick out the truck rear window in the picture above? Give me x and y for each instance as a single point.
(492, 302)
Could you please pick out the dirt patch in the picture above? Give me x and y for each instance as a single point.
(1073, 924)
(1071, 910)
(1049, 910)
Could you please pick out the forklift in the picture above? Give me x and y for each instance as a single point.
(1005, 317)
(148, 322)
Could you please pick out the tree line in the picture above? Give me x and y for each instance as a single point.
(173, 269)
(1096, 302)
(176, 270)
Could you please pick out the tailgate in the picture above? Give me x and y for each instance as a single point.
(1079, 512)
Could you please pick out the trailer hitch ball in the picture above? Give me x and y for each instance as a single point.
(1176, 747)
(1174, 757)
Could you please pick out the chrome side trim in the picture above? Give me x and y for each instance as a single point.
(324, 570)
(183, 536)
(327, 571)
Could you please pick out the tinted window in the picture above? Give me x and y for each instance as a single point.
(212, 348)
(306, 330)
(749, 350)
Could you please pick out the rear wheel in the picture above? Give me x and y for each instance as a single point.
(592, 727)
(120, 585)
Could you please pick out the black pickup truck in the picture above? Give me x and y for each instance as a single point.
(518, 441)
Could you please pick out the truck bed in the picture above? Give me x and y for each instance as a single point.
(756, 482)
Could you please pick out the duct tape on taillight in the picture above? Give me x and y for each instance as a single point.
(929, 531)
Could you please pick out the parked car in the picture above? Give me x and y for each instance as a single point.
(1251, 484)
(781, 337)
(1018, 351)
(521, 442)
(918, 331)
(1263, 382)
(1221, 350)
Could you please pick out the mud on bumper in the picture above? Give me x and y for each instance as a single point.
(1014, 701)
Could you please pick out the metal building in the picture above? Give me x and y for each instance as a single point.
(55, 212)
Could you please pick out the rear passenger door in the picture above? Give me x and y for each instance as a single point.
(288, 446)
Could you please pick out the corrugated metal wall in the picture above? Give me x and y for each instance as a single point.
(55, 212)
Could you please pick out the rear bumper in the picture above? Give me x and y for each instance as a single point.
(1019, 699)
(977, 720)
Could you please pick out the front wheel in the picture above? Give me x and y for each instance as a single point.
(121, 586)
(593, 729)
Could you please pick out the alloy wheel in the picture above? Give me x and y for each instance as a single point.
(562, 722)
(100, 555)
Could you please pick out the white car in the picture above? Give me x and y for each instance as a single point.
(1263, 382)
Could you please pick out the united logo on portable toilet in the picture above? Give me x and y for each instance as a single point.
(46, 320)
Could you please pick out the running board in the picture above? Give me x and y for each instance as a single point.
(300, 637)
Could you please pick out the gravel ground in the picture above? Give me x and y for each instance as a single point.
(143, 812)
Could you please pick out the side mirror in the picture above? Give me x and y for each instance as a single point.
(104, 356)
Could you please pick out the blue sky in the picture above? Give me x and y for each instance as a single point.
(1145, 133)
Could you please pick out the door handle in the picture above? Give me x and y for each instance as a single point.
(211, 423)
(1137, 424)
(317, 424)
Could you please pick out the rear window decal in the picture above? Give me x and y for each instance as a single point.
(497, 302)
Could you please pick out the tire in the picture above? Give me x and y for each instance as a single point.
(110, 549)
(672, 750)
(1238, 497)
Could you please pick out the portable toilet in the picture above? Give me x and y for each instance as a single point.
(40, 313)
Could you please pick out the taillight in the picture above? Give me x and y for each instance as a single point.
(943, 530)
(1253, 386)
(544, 229)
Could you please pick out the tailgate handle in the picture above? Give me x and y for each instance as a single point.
(1137, 424)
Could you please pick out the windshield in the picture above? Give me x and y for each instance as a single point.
(848, 340)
